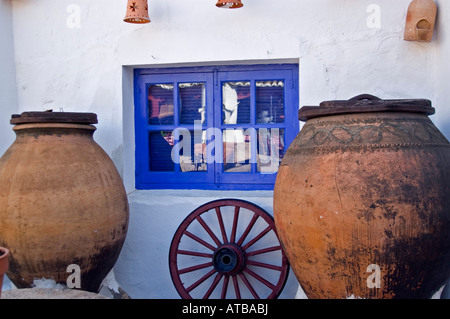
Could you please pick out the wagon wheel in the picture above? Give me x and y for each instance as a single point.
(228, 239)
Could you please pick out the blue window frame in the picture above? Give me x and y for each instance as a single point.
(222, 127)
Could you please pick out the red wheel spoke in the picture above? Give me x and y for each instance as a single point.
(264, 265)
(224, 287)
(247, 230)
(209, 231)
(261, 279)
(213, 286)
(244, 279)
(194, 253)
(201, 241)
(201, 280)
(236, 288)
(254, 240)
(222, 227)
(235, 221)
(194, 268)
(263, 251)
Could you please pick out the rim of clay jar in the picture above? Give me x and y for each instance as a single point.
(54, 117)
(51, 126)
(365, 103)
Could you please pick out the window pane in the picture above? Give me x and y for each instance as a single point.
(160, 151)
(192, 150)
(192, 102)
(236, 151)
(160, 104)
(269, 102)
(236, 102)
(270, 149)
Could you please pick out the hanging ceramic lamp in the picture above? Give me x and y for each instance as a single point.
(420, 21)
(229, 4)
(137, 12)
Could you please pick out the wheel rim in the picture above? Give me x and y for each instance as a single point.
(228, 249)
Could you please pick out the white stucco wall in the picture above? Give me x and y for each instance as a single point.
(442, 66)
(8, 92)
(79, 55)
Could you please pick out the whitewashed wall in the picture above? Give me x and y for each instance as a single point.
(8, 92)
(440, 63)
(78, 55)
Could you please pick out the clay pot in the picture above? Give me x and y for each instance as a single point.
(361, 200)
(4, 264)
(62, 201)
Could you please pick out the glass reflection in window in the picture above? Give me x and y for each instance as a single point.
(270, 149)
(192, 103)
(237, 150)
(160, 104)
(269, 102)
(160, 151)
(192, 151)
(236, 103)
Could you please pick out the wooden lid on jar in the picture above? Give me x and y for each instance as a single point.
(365, 103)
(54, 117)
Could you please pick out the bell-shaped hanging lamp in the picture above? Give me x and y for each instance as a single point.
(229, 4)
(137, 12)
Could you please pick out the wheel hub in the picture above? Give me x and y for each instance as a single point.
(228, 259)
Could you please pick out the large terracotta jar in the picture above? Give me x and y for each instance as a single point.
(62, 202)
(362, 200)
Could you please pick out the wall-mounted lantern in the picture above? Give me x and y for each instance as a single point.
(229, 4)
(137, 12)
(420, 21)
